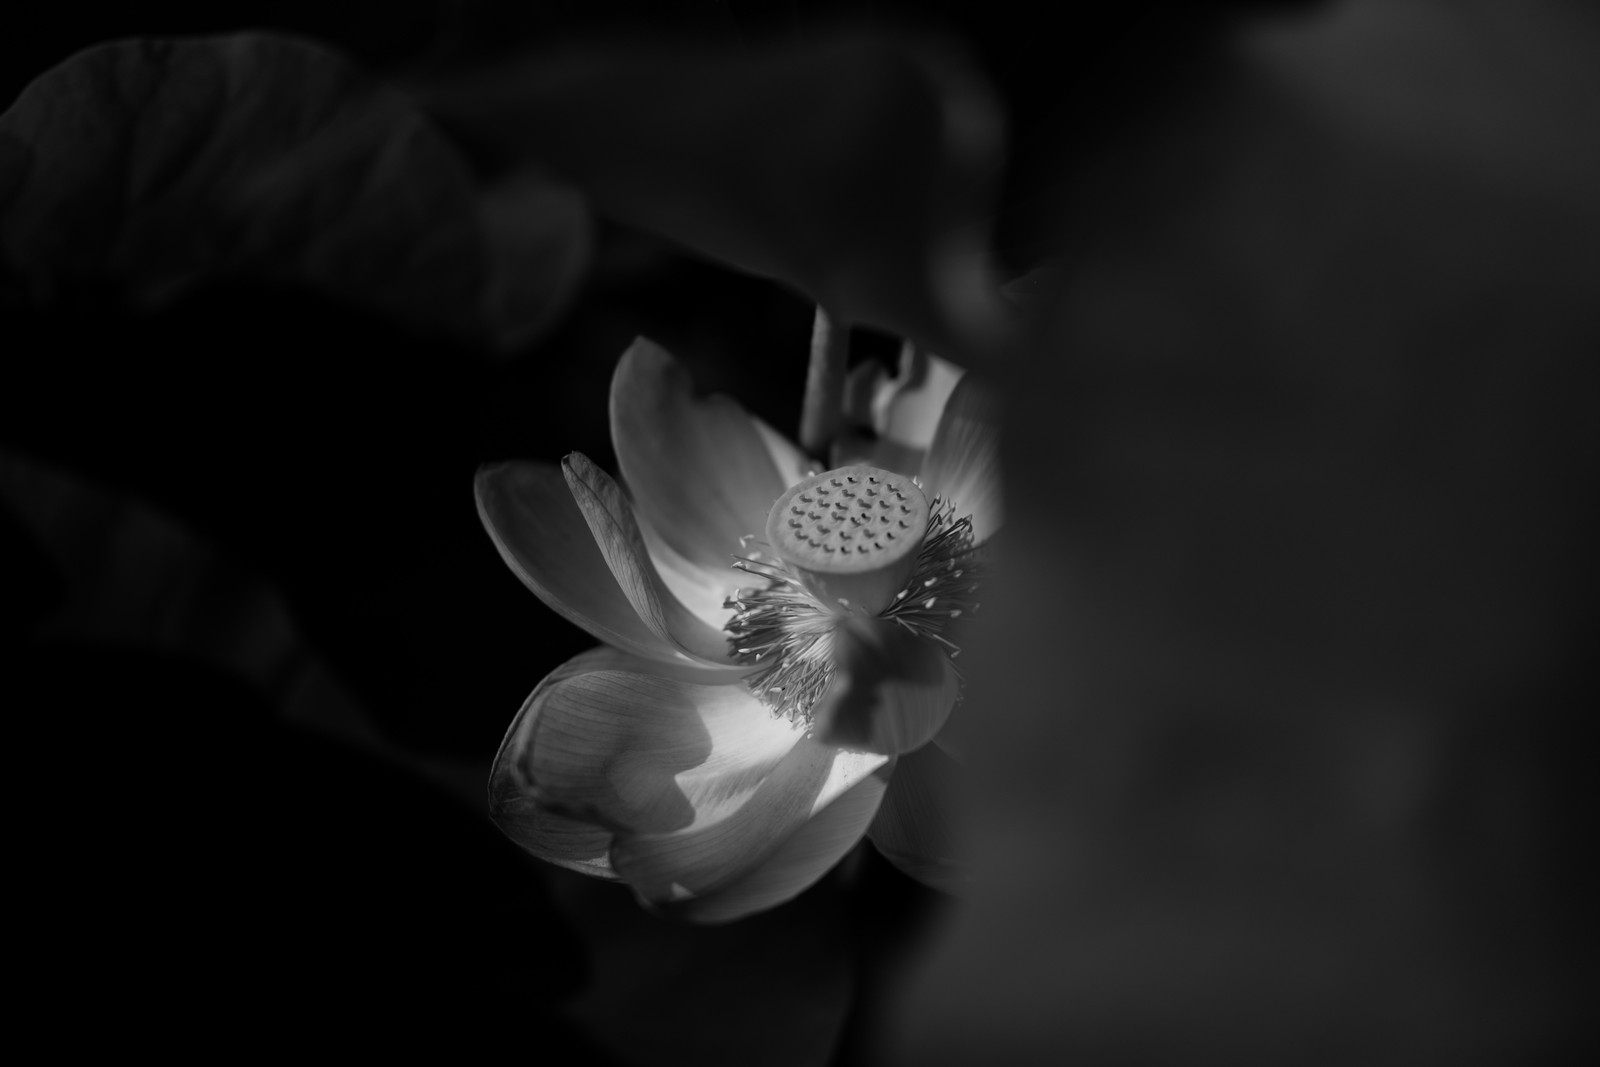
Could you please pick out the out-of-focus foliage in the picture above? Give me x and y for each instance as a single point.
(861, 169)
(152, 166)
(1295, 660)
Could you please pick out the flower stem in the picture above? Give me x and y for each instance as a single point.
(824, 402)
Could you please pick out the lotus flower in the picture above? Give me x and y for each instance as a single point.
(778, 659)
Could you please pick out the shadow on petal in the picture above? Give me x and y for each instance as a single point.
(717, 850)
(569, 843)
(518, 812)
(808, 854)
(639, 751)
(892, 690)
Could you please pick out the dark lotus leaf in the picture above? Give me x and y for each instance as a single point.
(857, 168)
(156, 165)
(128, 574)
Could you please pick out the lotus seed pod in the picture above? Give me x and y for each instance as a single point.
(852, 534)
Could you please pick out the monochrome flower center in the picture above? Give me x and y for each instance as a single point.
(852, 534)
(856, 540)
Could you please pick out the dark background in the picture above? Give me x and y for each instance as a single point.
(193, 864)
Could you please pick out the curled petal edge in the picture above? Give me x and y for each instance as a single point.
(622, 545)
(540, 532)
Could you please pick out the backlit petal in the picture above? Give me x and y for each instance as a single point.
(963, 463)
(808, 854)
(913, 827)
(892, 690)
(791, 464)
(646, 753)
(703, 590)
(726, 845)
(621, 543)
(699, 470)
(542, 535)
(891, 420)
(909, 408)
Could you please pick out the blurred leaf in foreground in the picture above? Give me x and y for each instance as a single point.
(859, 168)
(1284, 760)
